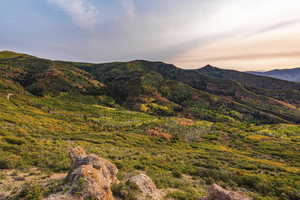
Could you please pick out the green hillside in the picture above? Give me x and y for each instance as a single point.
(160, 88)
(184, 128)
(279, 89)
(197, 92)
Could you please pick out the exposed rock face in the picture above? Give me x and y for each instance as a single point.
(216, 192)
(90, 177)
(146, 186)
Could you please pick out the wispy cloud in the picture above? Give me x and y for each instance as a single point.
(257, 56)
(82, 12)
(188, 33)
(279, 25)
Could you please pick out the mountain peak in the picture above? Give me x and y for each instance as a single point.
(283, 74)
(209, 68)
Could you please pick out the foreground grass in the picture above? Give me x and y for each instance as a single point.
(177, 153)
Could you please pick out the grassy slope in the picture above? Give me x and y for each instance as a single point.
(36, 131)
(263, 160)
(44, 77)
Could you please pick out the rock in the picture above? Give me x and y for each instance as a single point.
(90, 177)
(146, 186)
(3, 196)
(216, 192)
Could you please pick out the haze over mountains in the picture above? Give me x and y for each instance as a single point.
(284, 74)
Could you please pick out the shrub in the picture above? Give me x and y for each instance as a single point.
(14, 140)
(176, 174)
(31, 191)
(9, 161)
(186, 195)
(126, 191)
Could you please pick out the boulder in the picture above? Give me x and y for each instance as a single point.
(90, 177)
(146, 186)
(216, 192)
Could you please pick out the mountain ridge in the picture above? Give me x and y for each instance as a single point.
(292, 74)
(209, 93)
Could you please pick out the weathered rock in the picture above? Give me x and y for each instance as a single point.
(90, 177)
(216, 192)
(146, 186)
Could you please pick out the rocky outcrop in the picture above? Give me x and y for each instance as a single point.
(146, 187)
(90, 177)
(216, 192)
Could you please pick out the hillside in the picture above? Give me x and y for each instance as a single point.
(175, 152)
(279, 89)
(160, 88)
(186, 129)
(284, 74)
(197, 93)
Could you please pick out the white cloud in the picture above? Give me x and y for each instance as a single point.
(82, 12)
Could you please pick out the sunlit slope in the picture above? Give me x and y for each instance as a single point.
(263, 160)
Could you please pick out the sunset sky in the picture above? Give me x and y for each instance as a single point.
(234, 34)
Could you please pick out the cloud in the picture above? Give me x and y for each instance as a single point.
(188, 33)
(82, 12)
(279, 25)
(252, 56)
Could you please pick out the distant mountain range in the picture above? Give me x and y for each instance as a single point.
(284, 74)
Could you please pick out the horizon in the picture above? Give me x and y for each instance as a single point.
(188, 34)
(199, 67)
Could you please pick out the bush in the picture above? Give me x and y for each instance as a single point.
(186, 195)
(31, 192)
(127, 191)
(9, 161)
(176, 174)
(14, 140)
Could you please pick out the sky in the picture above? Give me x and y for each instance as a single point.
(233, 34)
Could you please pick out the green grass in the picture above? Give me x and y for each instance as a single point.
(262, 160)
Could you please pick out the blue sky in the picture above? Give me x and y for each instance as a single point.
(237, 34)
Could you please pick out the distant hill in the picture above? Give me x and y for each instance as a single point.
(158, 88)
(284, 74)
(267, 86)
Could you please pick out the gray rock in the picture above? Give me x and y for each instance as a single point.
(146, 186)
